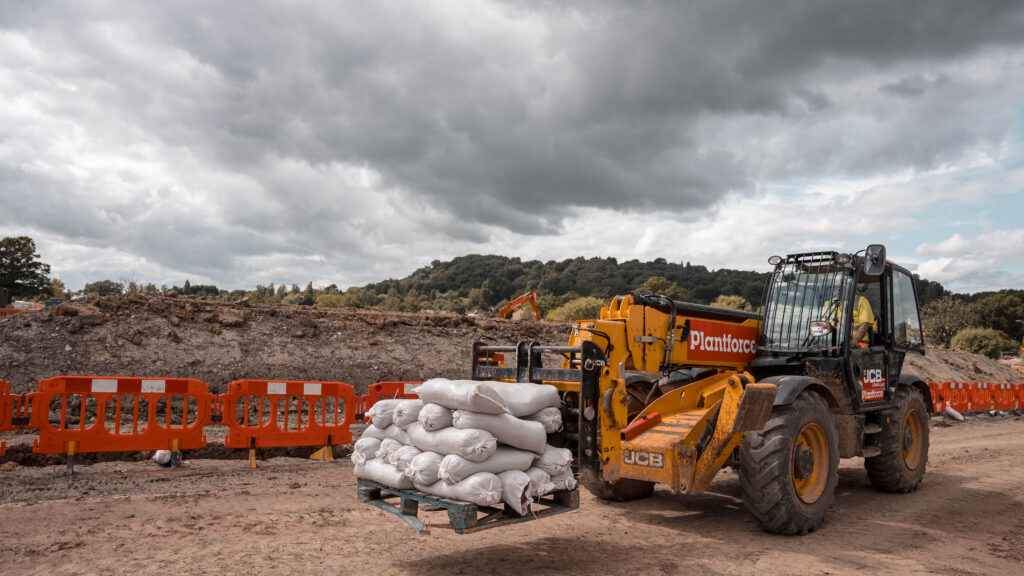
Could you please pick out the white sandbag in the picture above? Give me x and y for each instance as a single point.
(550, 417)
(564, 481)
(540, 482)
(382, 413)
(515, 490)
(423, 468)
(475, 445)
(554, 461)
(455, 468)
(163, 457)
(483, 489)
(523, 399)
(365, 449)
(434, 417)
(380, 471)
(387, 447)
(400, 458)
(508, 429)
(393, 432)
(406, 412)
(463, 395)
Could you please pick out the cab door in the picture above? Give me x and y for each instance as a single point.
(870, 364)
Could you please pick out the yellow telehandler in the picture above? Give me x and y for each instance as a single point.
(658, 391)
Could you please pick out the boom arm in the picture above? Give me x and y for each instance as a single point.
(530, 297)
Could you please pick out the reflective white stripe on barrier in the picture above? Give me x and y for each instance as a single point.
(277, 388)
(410, 388)
(104, 385)
(311, 389)
(154, 386)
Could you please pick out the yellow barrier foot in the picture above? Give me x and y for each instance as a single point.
(324, 454)
(252, 458)
(71, 458)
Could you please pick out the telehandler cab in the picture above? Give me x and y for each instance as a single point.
(660, 391)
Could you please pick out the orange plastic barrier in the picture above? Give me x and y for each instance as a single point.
(266, 413)
(112, 414)
(981, 397)
(938, 396)
(8, 406)
(1003, 396)
(382, 390)
(1018, 396)
(4, 312)
(958, 395)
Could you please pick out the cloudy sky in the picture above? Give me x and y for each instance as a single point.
(255, 142)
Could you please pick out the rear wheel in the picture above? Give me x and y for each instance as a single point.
(624, 490)
(789, 470)
(904, 443)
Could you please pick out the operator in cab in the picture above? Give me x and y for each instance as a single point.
(863, 316)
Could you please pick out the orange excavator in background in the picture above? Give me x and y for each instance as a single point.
(514, 305)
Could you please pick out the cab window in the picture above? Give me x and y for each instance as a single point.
(906, 324)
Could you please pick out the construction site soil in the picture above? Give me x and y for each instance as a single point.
(296, 516)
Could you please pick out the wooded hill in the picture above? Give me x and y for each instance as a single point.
(486, 282)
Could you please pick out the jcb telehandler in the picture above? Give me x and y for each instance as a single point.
(660, 391)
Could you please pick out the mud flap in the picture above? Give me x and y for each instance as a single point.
(755, 407)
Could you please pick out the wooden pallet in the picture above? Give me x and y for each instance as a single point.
(463, 517)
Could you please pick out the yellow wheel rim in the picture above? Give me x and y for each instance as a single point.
(913, 446)
(810, 463)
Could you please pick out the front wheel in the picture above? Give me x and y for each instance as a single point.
(790, 469)
(904, 443)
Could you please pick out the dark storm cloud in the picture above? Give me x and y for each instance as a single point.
(485, 116)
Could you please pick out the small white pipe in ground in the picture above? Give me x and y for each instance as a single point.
(951, 413)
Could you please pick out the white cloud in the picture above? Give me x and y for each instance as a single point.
(267, 143)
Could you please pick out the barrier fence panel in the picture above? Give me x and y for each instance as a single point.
(266, 413)
(7, 409)
(382, 390)
(958, 395)
(981, 397)
(938, 396)
(111, 414)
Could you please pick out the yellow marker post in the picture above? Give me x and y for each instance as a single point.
(71, 458)
(175, 453)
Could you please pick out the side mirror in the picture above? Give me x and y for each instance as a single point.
(874, 260)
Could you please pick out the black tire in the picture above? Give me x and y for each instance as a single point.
(787, 494)
(622, 491)
(904, 443)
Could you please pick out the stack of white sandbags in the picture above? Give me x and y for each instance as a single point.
(467, 440)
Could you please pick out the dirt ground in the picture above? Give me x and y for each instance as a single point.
(295, 516)
(121, 514)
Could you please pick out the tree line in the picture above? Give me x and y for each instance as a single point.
(566, 290)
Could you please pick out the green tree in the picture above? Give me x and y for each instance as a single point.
(308, 296)
(663, 286)
(356, 297)
(330, 301)
(21, 272)
(1000, 311)
(986, 341)
(578, 309)
(944, 318)
(105, 287)
(57, 289)
(732, 302)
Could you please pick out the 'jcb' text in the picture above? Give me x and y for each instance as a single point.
(641, 458)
